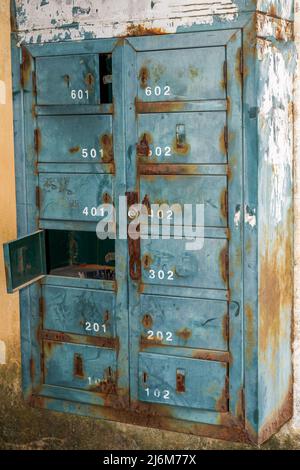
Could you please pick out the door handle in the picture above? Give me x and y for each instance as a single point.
(134, 246)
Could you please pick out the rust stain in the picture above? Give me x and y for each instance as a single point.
(147, 321)
(223, 82)
(168, 169)
(222, 402)
(37, 140)
(107, 386)
(89, 80)
(239, 66)
(147, 261)
(134, 246)
(223, 141)
(141, 30)
(55, 337)
(33, 111)
(158, 106)
(50, 345)
(224, 203)
(276, 286)
(240, 406)
(32, 368)
(250, 331)
(106, 198)
(280, 416)
(74, 149)
(210, 355)
(184, 333)
(36, 401)
(143, 77)
(78, 370)
(143, 147)
(225, 328)
(180, 148)
(25, 67)
(272, 10)
(106, 143)
(223, 261)
(146, 203)
(180, 382)
(228, 105)
(157, 416)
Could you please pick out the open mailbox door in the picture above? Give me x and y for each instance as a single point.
(25, 260)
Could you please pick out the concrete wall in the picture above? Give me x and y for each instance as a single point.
(20, 426)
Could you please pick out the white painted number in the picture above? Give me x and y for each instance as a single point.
(161, 151)
(165, 394)
(94, 381)
(160, 335)
(161, 275)
(158, 91)
(79, 94)
(91, 153)
(89, 326)
(160, 214)
(93, 211)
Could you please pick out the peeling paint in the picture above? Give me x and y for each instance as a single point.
(275, 119)
(250, 216)
(237, 216)
(75, 20)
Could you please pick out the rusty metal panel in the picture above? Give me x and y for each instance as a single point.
(276, 62)
(68, 197)
(60, 141)
(178, 141)
(71, 79)
(80, 367)
(175, 265)
(204, 323)
(211, 191)
(183, 382)
(190, 74)
(80, 311)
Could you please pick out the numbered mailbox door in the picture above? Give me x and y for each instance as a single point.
(73, 197)
(25, 260)
(69, 79)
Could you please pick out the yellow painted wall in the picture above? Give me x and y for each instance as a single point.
(9, 316)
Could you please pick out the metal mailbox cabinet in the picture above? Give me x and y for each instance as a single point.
(147, 331)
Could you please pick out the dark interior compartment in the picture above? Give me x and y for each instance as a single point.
(79, 254)
(105, 61)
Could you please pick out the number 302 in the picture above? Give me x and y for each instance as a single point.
(161, 275)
